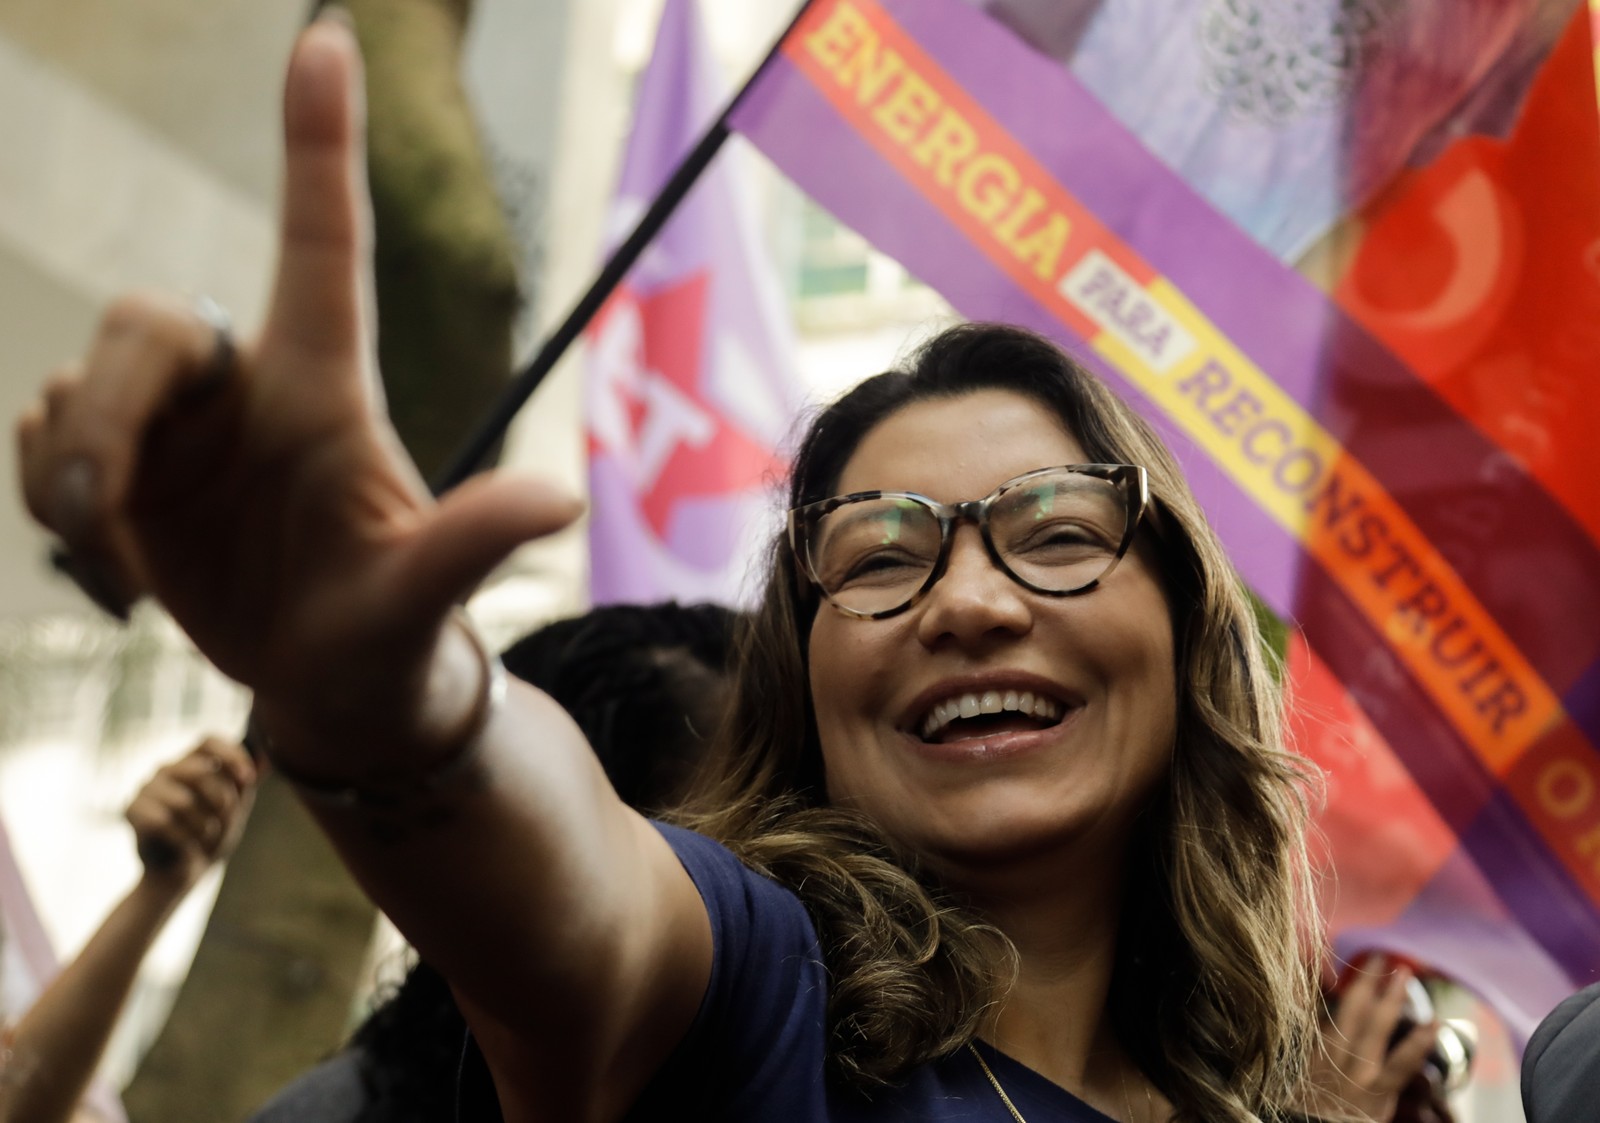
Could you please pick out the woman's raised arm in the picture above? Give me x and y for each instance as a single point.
(261, 496)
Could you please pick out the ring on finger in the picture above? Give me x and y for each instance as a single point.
(219, 365)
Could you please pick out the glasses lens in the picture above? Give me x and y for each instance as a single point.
(1060, 531)
(874, 554)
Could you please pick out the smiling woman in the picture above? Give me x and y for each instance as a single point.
(999, 827)
(1060, 785)
(1014, 759)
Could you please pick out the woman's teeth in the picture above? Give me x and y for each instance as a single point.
(989, 702)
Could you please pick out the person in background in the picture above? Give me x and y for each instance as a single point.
(187, 817)
(1377, 1056)
(1561, 1069)
(648, 685)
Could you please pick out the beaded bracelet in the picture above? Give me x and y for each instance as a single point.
(409, 788)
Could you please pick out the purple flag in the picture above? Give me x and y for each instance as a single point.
(1288, 116)
(27, 963)
(997, 177)
(26, 958)
(691, 385)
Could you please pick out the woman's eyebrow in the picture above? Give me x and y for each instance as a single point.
(884, 510)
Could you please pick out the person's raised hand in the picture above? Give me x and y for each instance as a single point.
(1356, 1071)
(191, 812)
(265, 500)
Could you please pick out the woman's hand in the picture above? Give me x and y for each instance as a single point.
(266, 501)
(192, 811)
(270, 509)
(1356, 1071)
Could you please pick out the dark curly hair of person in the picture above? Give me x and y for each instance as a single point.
(645, 683)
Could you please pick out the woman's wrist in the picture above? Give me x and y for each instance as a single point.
(159, 891)
(463, 688)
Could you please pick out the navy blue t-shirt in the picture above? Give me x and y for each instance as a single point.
(755, 1051)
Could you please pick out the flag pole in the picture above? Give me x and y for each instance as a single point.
(469, 457)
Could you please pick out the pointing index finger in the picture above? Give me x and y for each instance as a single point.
(318, 304)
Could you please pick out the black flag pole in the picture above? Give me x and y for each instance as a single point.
(475, 449)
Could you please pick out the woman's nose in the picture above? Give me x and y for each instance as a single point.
(974, 598)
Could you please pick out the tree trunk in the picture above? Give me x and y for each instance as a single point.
(273, 982)
(447, 279)
(271, 986)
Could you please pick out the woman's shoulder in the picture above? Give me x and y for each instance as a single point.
(728, 884)
(761, 1025)
(765, 950)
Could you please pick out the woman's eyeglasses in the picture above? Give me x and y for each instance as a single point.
(1057, 531)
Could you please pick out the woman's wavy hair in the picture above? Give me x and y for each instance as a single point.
(1213, 990)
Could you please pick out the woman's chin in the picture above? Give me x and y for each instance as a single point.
(971, 834)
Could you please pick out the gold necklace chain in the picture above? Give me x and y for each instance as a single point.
(1012, 1108)
(1005, 1099)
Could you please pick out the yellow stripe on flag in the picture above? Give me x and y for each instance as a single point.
(1594, 37)
(1301, 475)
